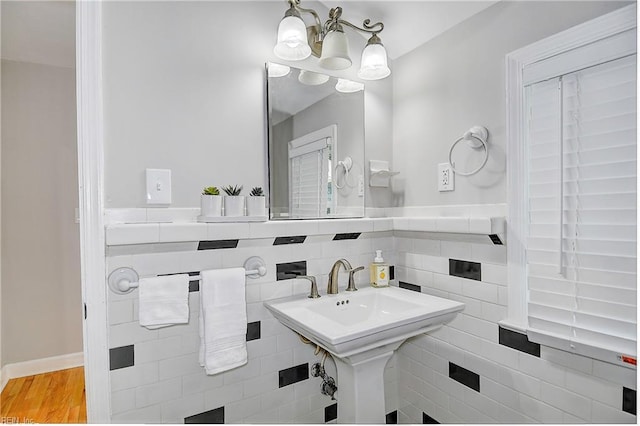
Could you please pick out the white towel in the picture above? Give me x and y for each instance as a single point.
(223, 320)
(164, 301)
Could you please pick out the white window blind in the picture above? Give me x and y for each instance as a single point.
(308, 178)
(581, 244)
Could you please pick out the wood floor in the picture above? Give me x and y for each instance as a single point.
(56, 397)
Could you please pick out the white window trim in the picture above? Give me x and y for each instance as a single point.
(597, 29)
(309, 143)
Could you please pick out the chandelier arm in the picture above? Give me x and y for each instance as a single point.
(296, 5)
(367, 24)
(328, 25)
(368, 28)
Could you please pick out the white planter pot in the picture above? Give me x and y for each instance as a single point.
(211, 205)
(256, 206)
(234, 205)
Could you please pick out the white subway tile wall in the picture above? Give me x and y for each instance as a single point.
(166, 384)
(515, 387)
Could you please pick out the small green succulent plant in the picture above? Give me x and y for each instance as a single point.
(232, 190)
(256, 192)
(210, 190)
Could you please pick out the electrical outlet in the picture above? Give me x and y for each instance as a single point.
(445, 177)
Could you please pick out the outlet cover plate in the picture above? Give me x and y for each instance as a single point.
(445, 177)
(158, 186)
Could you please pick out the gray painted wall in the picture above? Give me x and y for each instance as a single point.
(194, 102)
(455, 81)
(41, 293)
(279, 175)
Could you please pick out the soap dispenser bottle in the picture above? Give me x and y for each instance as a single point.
(379, 271)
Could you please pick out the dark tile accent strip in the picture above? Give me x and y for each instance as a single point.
(391, 418)
(285, 271)
(629, 401)
(253, 331)
(331, 412)
(293, 375)
(215, 416)
(217, 244)
(464, 376)
(347, 236)
(392, 272)
(465, 269)
(194, 285)
(121, 357)
(495, 239)
(518, 341)
(428, 420)
(411, 287)
(299, 239)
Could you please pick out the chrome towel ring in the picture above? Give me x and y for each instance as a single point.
(476, 138)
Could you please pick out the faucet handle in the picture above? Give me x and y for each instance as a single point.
(314, 286)
(352, 284)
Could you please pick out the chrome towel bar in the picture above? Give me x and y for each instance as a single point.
(124, 280)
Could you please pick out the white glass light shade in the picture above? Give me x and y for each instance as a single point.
(278, 70)
(311, 78)
(335, 51)
(348, 86)
(373, 65)
(292, 40)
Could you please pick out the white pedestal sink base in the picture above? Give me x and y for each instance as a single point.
(361, 330)
(361, 385)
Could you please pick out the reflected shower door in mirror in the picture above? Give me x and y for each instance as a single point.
(316, 145)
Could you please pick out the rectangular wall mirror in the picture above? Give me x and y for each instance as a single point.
(316, 145)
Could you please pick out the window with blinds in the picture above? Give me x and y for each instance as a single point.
(581, 243)
(308, 193)
(309, 176)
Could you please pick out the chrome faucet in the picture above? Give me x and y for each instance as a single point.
(332, 286)
(352, 283)
(314, 287)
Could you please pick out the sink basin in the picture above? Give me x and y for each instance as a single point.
(362, 329)
(352, 322)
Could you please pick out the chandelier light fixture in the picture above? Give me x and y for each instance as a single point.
(311, 78)
(297, 41)
(348, 86)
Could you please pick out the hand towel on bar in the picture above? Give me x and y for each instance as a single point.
(164, 301)
(223, 320)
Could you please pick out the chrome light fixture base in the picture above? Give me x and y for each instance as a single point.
(313, 37)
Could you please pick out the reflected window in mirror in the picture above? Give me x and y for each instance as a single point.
(316, 144)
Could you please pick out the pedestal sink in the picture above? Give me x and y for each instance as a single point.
(361, 330)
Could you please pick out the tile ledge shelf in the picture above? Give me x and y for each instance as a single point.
(170, 232)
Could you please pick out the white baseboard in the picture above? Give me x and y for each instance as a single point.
(39, 366)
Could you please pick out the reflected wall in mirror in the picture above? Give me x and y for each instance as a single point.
(316, 145)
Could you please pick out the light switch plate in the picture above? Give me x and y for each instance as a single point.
(158, 186)
(445, 177)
